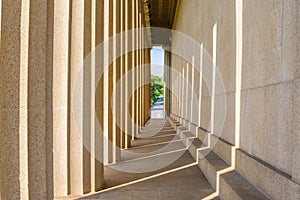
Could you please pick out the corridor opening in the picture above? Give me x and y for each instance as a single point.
(157, 82)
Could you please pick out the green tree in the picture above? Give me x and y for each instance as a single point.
(156, 88)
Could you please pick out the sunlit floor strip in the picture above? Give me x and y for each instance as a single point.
(150, 156)
(156, 144)
(141, 180)
(155, 137)
(165, 130)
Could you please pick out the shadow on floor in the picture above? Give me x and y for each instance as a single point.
(166, 169)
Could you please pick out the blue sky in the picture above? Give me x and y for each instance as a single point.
(157, 61)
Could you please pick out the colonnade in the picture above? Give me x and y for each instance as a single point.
(73, 93)
(54, 104)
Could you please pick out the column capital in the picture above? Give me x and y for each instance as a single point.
(167, 47)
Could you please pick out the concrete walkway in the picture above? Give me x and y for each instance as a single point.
(165, 169)
(157, 110)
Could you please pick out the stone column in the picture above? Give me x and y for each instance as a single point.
(141, 69)
(167, 101)
(76, 97)
(182, 102)
(50, 113)
(80, 115)
(147, 86)
(117, 71)
(133, 62)
(138, 19)
(98, 171)
(136, 61)
(93, 96)
(111, 130)
(0, 21)
(175, 86)
(139, 64)
(179, 92)
(39, 133)
(200, 84)
(88, 97)
(192, 85)
(0, 106)
(189, 88)
(14, 103)
(60, 97)
(172, 88)
(129, 62)
(123, 108)
(108, 81)
(142, 79)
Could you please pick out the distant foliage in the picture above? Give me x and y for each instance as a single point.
(157, 87)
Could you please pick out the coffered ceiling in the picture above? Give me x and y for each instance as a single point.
(161, 13)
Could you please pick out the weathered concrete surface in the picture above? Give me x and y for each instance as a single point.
(270, 75)
(269, 67)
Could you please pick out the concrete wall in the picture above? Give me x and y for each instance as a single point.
(202, 17)
(269, 108)
(269, 71)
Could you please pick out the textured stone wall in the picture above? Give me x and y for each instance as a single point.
(269, 71)
(269, 116)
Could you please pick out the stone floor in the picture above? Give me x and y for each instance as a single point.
(165, 169)
(157, 110)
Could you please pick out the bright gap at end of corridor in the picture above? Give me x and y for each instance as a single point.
(157, 83)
